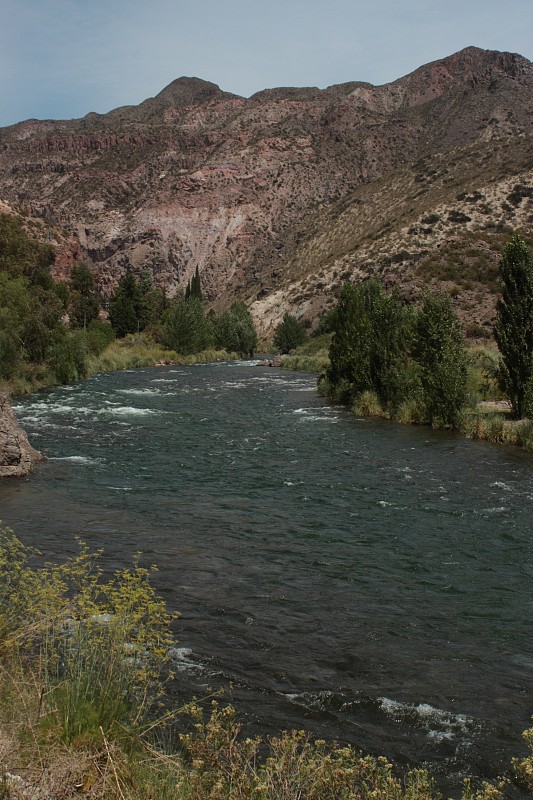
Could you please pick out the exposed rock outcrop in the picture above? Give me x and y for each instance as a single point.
(17, 456)
(279, 197)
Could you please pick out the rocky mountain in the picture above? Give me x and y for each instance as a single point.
(280, 197)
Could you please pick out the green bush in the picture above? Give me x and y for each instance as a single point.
(102, 643)
(513, 329)
(366, 404)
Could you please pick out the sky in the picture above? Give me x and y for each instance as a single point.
(61, 59)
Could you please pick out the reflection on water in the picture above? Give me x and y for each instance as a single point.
(368, 581)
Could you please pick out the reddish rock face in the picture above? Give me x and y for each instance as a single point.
(240, 187)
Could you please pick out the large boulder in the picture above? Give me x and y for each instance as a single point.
(17, 456)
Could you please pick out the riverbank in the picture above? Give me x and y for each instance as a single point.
(139, 350)
(79, 718)
(134, 351)
(487, 419)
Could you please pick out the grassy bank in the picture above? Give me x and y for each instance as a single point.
(140, 350)
(83, 713)
(131, 352)
(313, 356)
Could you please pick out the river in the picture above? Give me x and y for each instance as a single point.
(368, 581)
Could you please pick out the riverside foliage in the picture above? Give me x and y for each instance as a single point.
(387, 357)
(180, 324)
(52, 332)
(513, 329)
(36, 347)
(290, 333)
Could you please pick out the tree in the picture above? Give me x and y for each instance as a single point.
(84, 303)
(153, 301)
(125, 307)
(185, 327)
(513, 329)
(193, 289)
(372, 339)
(441, 353)
(244, 329)
(289, 334)
(22, 255)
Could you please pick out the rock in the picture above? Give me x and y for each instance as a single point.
(273, 362)
(17, 456)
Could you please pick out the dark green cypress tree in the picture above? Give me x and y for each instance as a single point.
(125, 307)
(513, 329)
(195, 290)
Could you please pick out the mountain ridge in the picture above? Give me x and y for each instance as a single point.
(243, 187)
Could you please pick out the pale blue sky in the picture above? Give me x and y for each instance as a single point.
(63, 58)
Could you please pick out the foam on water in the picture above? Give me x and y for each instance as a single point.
(140, 392)
(309, 414)
(182, 660)
(501, 485)
(438, 723)
(85, 460)
(129, 411)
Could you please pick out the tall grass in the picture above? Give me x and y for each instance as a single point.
(140, 350)
(496, 427)
(312, 356)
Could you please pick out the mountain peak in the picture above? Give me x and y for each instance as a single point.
(186, 91)
(471, 61)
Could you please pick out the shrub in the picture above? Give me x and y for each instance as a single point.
(101, 643)
(366, 404)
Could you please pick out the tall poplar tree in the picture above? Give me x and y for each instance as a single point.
(513, 329)
(441, 353)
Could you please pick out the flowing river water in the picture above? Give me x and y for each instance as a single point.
(369, 582)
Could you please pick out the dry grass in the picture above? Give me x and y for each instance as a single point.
(139, 350)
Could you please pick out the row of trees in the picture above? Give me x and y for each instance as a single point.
(35, 344)
(403, 355)
(181, 323)
(48, 330)
(417, 356)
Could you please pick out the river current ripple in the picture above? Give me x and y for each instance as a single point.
(367, 581)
